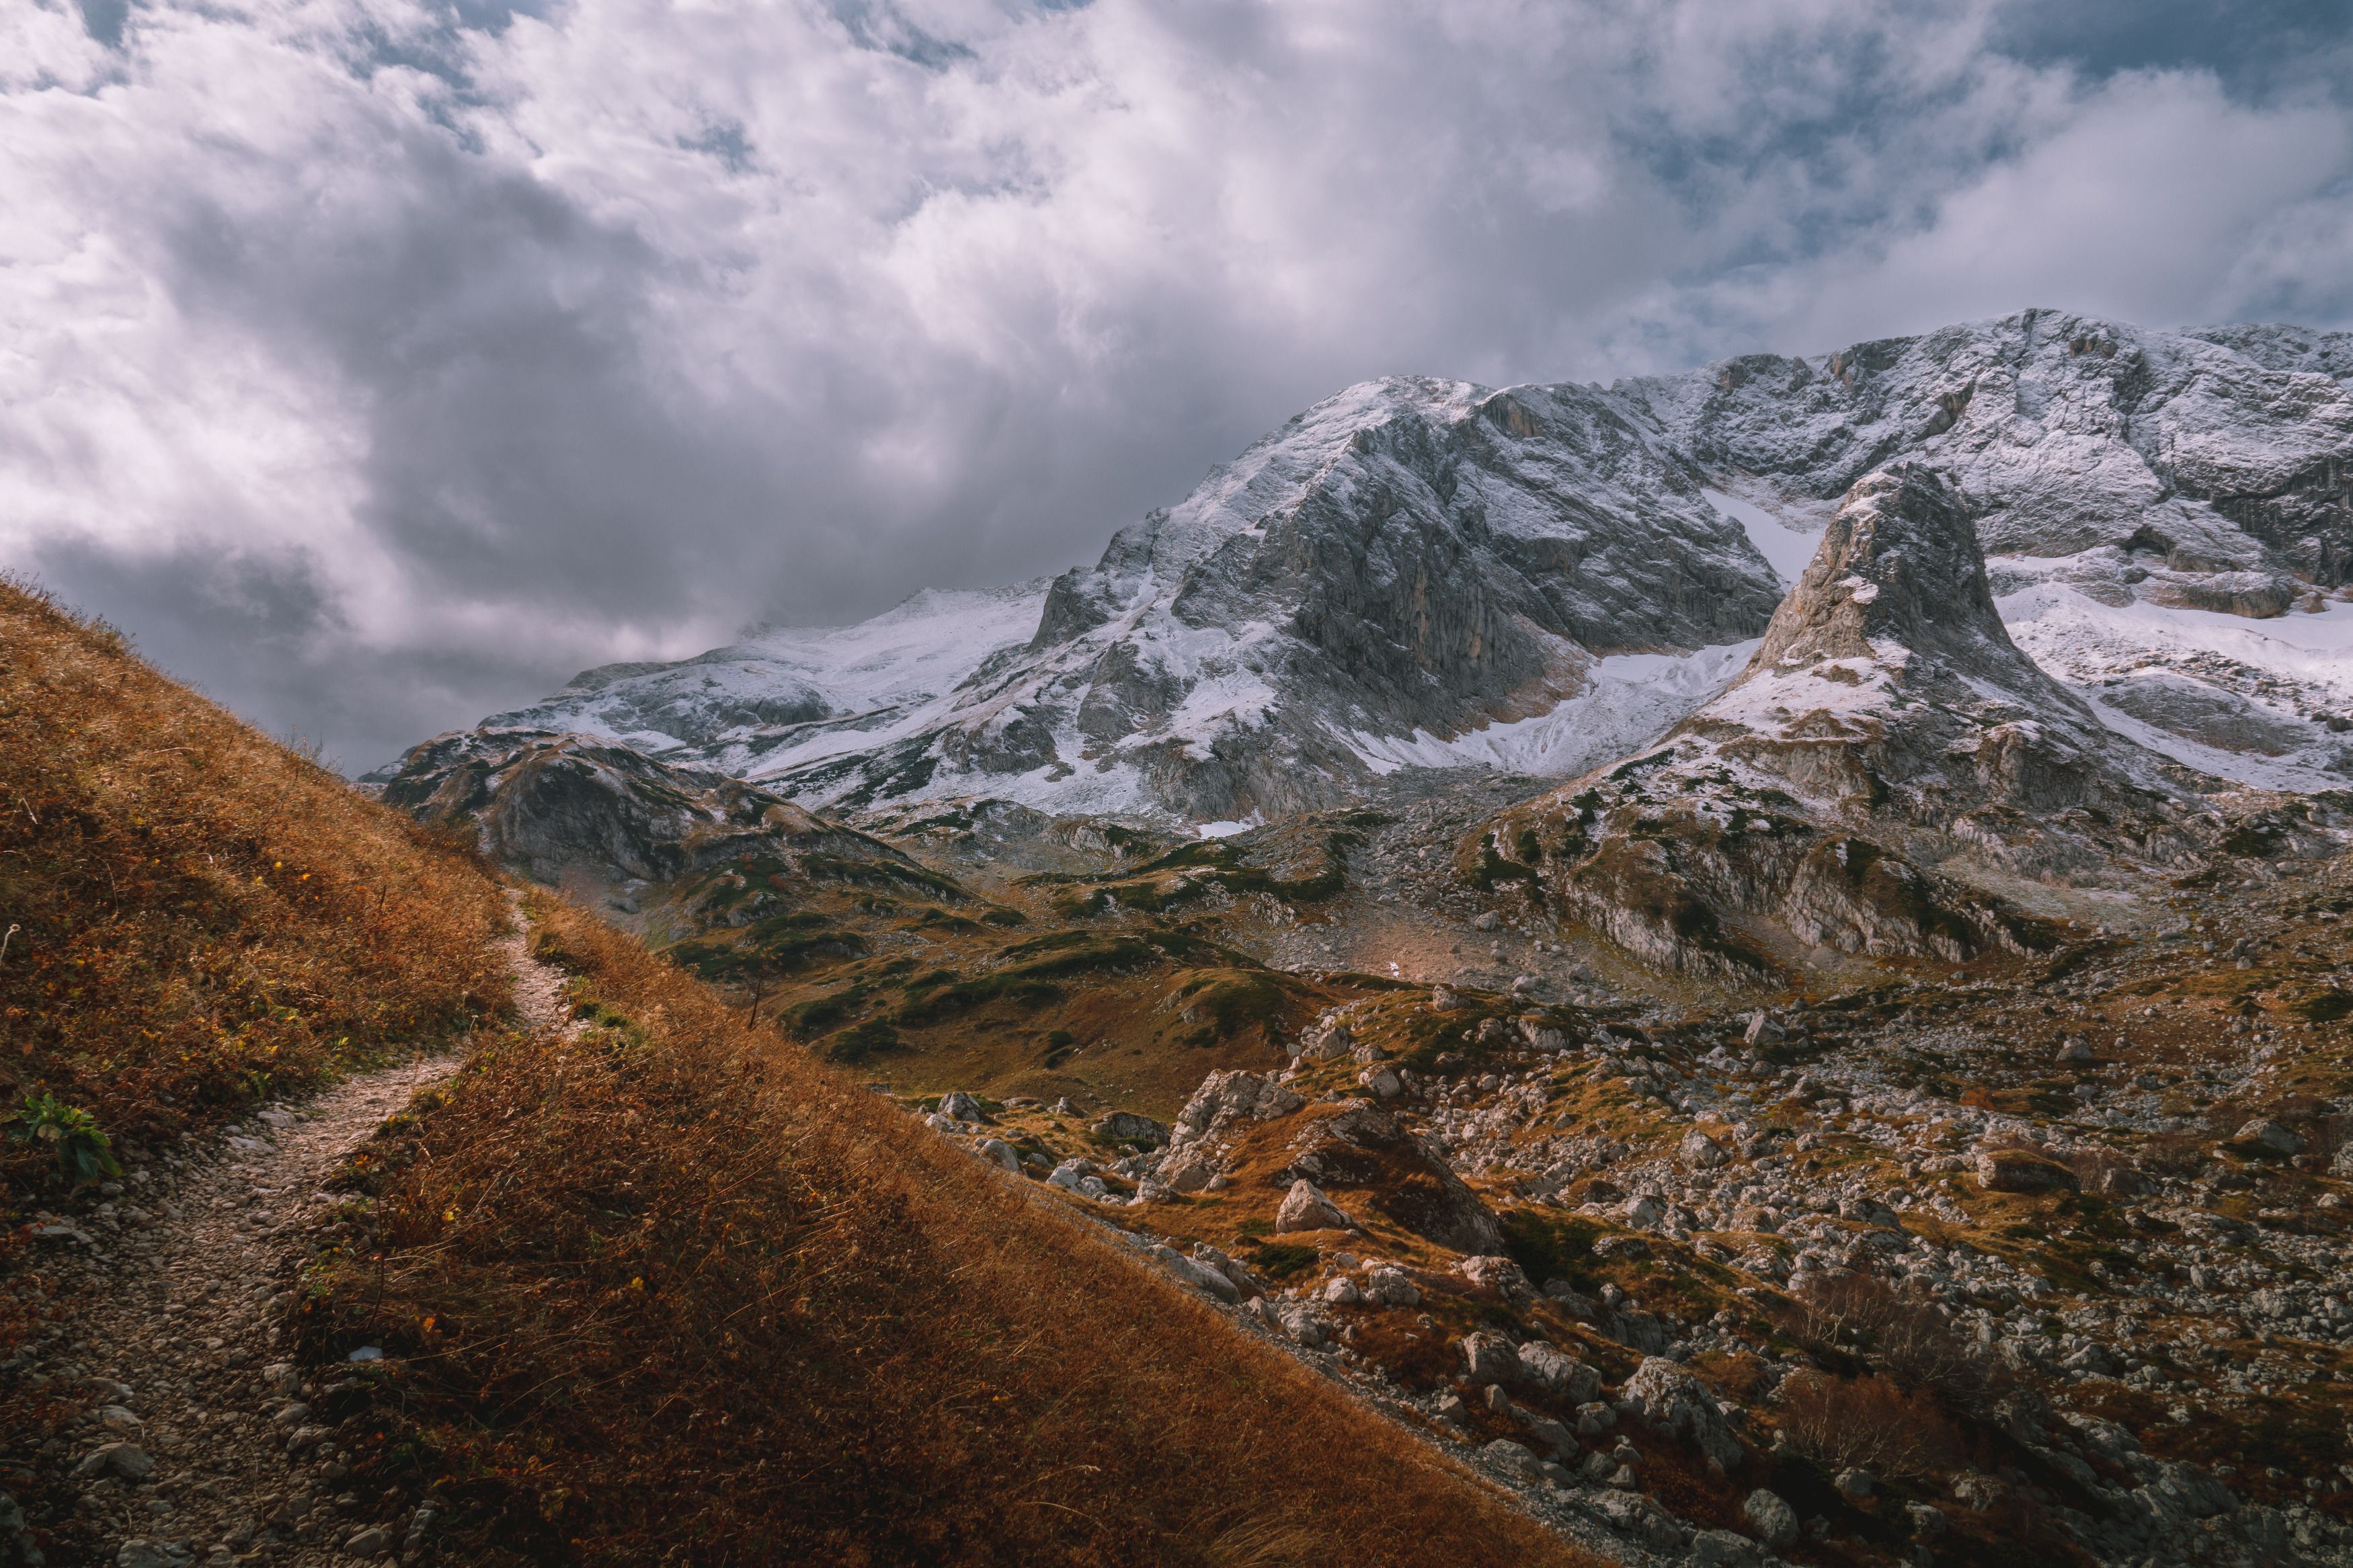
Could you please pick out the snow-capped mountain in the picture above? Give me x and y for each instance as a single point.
(1431, 572)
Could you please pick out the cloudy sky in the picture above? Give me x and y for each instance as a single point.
(379, 363)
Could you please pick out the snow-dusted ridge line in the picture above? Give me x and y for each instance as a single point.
(1429, 572)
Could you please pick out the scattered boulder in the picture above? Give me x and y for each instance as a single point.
(1678, 1405)
(1558, 1372)
(1246, 1280)
(1488, 1358)
(1389, 1285)
(1762, 1029)
(2020, 1171)
(1513, 1460)
(1700, 1151)
(127, 1460)
(1198, 1276)
(1127, 1127)
(1001, 1154)
(2272, 1138)
(1495, 1273)
(958, 1106)
(1927, 1520)
(1444, 999)
(1327, 1042)
(1774, 1523)
(1304, 1207)
(1382, 1081)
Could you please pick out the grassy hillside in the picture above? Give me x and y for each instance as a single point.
(196, 917)
(670, 1288)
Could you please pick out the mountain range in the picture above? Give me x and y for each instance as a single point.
(1425, 573)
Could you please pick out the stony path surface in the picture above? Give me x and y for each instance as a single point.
(195, 1441)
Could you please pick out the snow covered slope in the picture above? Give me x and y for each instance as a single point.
(787, 694)
(1430, 572)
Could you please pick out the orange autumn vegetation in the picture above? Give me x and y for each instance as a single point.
(669, 1292)
(202, 917)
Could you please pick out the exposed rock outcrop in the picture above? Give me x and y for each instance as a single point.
(560, 807)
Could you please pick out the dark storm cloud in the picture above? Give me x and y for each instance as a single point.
(379, 365)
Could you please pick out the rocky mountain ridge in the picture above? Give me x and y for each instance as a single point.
(1432, 573)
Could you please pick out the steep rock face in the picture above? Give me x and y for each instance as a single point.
(1409, 558)
(1886, 679)
(2060, 434)
(1885, 712)
(573, 808)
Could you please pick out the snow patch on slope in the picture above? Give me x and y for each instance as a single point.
(1628, 701)
(1787, 544)
(2244, 700)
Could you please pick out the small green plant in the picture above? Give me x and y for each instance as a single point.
(83, 1153)
(1282, 1259)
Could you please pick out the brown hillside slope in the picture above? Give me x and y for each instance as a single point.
(200, 917)
(669, 1292)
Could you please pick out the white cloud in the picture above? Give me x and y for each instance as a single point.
(445, 359)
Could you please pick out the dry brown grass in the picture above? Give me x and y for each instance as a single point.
(1897, 1331)
(674, 1293)
(202, 917)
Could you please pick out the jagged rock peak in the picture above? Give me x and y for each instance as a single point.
(1899, 563)
(1887, 679)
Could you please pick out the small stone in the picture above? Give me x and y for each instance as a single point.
(370, 1542)
(1001, 1154)
(1928, 1521)
(125, 1459)
(1854, 1485)
(1774, 1523)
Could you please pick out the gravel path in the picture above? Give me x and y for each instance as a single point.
(192, 1441)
